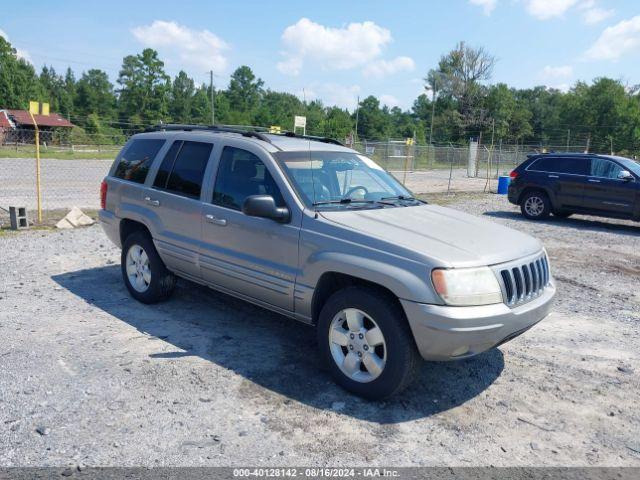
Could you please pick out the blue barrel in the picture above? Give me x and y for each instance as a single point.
(503, 184)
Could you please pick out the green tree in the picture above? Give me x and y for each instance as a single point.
(180, 103)
(373, 122)
(18, 80)
(244, 95)
(144, 89)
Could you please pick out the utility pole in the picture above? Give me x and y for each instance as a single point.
(357, 113)
(213, 107)
(568, 136)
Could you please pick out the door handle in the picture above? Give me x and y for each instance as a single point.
(554, 176)
(215, 220)
(150, 201)
(593, 180)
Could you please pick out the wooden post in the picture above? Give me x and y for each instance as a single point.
(38, 193)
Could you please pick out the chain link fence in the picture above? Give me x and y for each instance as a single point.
(70, 172)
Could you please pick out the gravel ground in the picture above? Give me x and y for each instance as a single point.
(89, 376)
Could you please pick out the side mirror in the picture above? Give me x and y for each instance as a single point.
(264, 206)
(625, 175)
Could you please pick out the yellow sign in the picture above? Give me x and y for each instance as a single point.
(274, 129)
(409, 141)
(37, 108)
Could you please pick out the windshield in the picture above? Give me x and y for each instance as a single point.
(630, 165)
(342, 180)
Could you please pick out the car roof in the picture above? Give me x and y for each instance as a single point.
(271, 142)
(576, 155)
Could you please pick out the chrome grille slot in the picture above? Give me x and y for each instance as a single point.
(523, 281)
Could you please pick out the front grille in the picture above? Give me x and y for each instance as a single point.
(522, 282)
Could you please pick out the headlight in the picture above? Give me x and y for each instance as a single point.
(467, 286)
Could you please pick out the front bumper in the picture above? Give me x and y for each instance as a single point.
(449, 333)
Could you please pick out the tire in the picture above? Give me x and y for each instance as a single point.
(157, 282)
(400, 358)
(535, 205)
(562, 214)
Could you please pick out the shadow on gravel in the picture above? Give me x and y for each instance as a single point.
(277, 355)
(589, 223)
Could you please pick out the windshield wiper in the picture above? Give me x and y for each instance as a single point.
(400, 197)
(342, 201)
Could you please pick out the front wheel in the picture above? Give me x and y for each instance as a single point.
(365, 341)
(535, 205)
(144, 273)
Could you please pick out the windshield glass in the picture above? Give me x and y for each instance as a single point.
(341, 179)
(630, 165)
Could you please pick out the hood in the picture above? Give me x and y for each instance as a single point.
(448, 236)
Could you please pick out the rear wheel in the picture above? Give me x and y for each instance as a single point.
(365, 341)
(535, 205)
(143, 271)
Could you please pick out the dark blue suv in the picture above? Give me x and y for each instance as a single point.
(564, 183)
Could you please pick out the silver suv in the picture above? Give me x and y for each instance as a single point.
(318, 232)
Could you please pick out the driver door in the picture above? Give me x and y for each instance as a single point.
(255, 258)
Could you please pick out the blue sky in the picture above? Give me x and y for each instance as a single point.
(336, 50)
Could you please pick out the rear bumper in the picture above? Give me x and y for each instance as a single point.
(513, 193)
(449, 333)
(111, 225)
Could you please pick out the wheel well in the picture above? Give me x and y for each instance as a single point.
(330, 282)
(533, 189)
(127, 227)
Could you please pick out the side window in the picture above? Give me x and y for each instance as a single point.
(571, 165)
(182, 169)
(604, 168)
(240, 175)
(136, 160)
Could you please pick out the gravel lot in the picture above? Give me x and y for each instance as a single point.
(89, 376)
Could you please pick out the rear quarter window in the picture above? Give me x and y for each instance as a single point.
(136, 160)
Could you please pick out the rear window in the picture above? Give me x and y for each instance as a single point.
(571, 165)
(136, 160)
(182, 169)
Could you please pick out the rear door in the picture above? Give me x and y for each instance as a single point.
(605, 193)
(254, 257)
(565, 177)
(174, 202)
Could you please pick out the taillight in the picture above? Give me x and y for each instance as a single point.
(103, 195)
(513, 174)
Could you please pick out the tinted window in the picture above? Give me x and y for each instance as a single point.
(136, 160)
(240, 175)
(573, 165)
(604, 168)
(167, 165)
(185, 164)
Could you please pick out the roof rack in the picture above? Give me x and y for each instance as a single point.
(208, 128)
(313, 137)
(245, 133)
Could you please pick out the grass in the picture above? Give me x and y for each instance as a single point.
(29, 152)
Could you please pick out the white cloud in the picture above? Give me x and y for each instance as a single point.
(595, 15)
(616, 41)
(550, 72)
(198, 49)
(23, 54)
(389, 100)
(546, 9)
(381, 68)
(487, 5)
(343, 96)
(332, 48)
